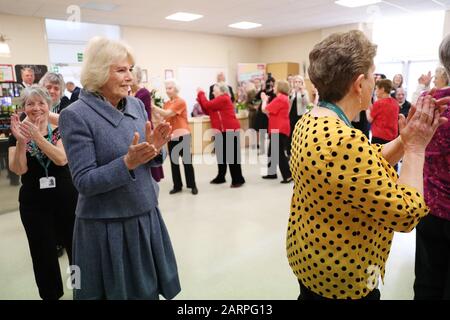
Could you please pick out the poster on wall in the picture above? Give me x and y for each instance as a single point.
(248, 72)
(251, 71)
(28, 74)
(168, 74)
(6, 73)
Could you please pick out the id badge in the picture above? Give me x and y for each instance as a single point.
(47, 182)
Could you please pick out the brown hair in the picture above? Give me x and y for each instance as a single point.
(282, 87)
(385, 84)
(337, 61)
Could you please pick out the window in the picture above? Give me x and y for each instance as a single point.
(66, 44)
(408, 47)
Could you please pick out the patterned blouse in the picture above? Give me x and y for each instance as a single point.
(345, 208)
(437, 166)
(33, 150)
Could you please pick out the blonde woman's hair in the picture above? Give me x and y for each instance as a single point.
(99, 55)
(298, 77)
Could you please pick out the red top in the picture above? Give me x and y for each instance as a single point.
(385, 119)
(278, 111)
(220, 111)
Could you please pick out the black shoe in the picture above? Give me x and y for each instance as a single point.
(270, 177)
(218, 181)
(288, 180)
(237, 185)
(194, 190)
(60, 251)
(174, 190)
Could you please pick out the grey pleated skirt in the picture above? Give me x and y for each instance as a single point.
(121, 259)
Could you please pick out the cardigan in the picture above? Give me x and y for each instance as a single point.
(278, 111)
(220, 111)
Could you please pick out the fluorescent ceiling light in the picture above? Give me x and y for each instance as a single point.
(356, 3)
(108, 7)
(245, 25)
(184, 16)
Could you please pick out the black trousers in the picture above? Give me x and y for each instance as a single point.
(306, 294)
(432, 266)
(293, 119)
(228, 151)
(181, 147)
(45, 226)
(277, 155)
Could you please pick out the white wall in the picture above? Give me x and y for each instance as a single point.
(446, 30)
(157, 50)
(296, 47)
(27, 40)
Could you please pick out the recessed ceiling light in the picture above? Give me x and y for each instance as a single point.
(356, 3)
(245, 25)
(184, 16)
(99, 6)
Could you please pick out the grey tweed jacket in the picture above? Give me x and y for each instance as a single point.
(96, 138)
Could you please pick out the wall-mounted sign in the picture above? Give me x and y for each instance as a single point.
(80, 57)
(6, 73)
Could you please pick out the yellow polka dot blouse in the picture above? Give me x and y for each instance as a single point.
(345, 207)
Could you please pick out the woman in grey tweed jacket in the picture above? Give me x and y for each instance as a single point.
(121, 245)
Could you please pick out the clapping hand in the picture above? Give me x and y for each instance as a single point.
(423, 120)
(159, 136)
(139, 153)
(31, 130)
(17, 131)
(425, 79)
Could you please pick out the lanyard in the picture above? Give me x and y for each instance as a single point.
(37, 154)
(337, 110)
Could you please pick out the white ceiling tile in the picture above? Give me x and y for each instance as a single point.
(278, 17)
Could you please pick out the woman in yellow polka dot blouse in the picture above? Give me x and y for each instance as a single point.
(348, 200)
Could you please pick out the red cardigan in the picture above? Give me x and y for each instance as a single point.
(220, 111)
(385, 119)
(278, 112)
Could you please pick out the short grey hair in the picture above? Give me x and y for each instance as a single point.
(444, 53)
(442, 72)
(400, 89)
(100, 54)
(53, 78)
(27, 69)
(174, 82)
(33, 91)
(223, 87)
